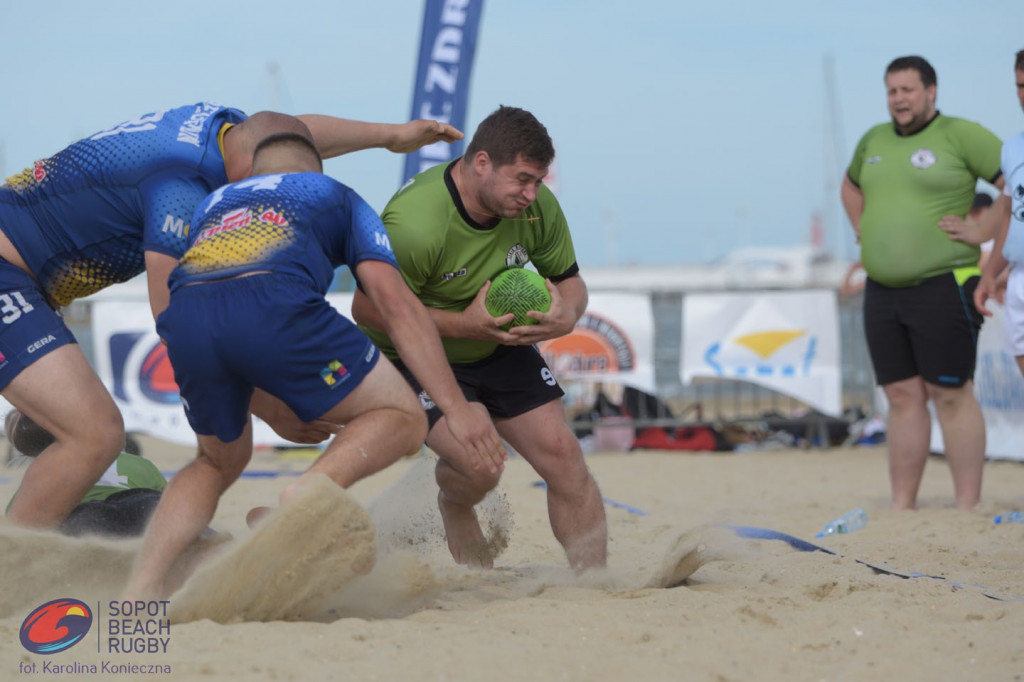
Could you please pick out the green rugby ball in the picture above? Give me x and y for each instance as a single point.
(517, 290)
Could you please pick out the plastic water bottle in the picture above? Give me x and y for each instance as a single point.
(1009, 517)
(855, 519)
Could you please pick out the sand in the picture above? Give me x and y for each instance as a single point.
(685, 597)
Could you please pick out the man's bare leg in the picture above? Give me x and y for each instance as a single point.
(575, 507)
(186, 507)
(62, 394)
(963, 434)
(461, 488)
(908, 433)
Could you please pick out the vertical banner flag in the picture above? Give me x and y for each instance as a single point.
(786, 341)
(441, 90)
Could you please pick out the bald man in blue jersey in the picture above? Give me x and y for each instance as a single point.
(100, 212)
(247, 310)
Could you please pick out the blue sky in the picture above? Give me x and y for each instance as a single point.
(684, 130)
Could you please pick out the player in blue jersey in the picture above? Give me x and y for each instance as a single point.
(100, 212)
(248, 311)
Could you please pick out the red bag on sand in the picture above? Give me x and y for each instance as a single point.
(696, 438)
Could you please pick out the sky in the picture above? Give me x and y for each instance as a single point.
(683, 130)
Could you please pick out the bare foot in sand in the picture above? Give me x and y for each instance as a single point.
(465, 538)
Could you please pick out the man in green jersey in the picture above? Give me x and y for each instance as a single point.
(453, 228)
(905, 178)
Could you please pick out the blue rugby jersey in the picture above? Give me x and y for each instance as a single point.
(303, 224)
(83, 218)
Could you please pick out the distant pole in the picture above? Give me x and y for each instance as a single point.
(279, 99)
(837, 227)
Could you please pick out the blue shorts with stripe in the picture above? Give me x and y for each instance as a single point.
(29, 327)
(272, 332)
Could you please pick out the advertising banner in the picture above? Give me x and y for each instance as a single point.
(787, 341)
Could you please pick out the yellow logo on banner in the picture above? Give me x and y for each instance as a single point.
(765, 344)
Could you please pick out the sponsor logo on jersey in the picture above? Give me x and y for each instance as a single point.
(190, 129)
(175, 226)
(923, 158)
(229, 221)
(46, 340)
(39, 171)
(452, 275)
(517, 256)
(333, 373)
(873, 160)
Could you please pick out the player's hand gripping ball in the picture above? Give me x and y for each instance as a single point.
(517, 290)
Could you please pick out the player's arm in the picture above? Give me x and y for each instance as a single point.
(853, 203)
(415, 337)
(158, 269)
(969, 231)
(336, 136)
(472, 323)
(989, 285)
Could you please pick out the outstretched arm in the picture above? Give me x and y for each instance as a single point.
(410, 328)
(336, 136)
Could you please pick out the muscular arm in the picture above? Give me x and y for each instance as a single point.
(336, 136)
(853, 203)
(158, 269)
(415, 337)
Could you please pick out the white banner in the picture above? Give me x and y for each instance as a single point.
(613, 342)
(787, 341)
(1000, 390)
(133, 365)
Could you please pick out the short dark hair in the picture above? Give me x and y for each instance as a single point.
(509, 132)
(1019, 64)
(919, 64)
(294, 140)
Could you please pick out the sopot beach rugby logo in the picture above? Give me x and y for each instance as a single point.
(56, 626)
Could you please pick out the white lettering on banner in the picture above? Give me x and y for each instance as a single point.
(136, 125)
(175, 225)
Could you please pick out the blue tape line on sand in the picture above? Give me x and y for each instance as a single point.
(609, 502)
(804, 546)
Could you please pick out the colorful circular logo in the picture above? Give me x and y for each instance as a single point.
(56, 626)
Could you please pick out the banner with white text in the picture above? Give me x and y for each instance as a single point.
(441, 90)
(132, 363)
(787, 341)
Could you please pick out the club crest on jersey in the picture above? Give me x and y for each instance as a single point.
(517, 256)
(923, 158)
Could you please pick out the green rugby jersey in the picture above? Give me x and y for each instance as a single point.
(446, 257)
(128, 471)
(909, 183)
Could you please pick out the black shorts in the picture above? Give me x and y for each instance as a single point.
(928, 330)
(123, 514)
(510, 381)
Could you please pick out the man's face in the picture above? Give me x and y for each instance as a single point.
(506, 190)
(1020, 87)
(911, 104)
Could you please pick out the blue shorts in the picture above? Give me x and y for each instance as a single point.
(271, 332)
(29, 327)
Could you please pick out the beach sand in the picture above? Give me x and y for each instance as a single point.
(685, 597)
